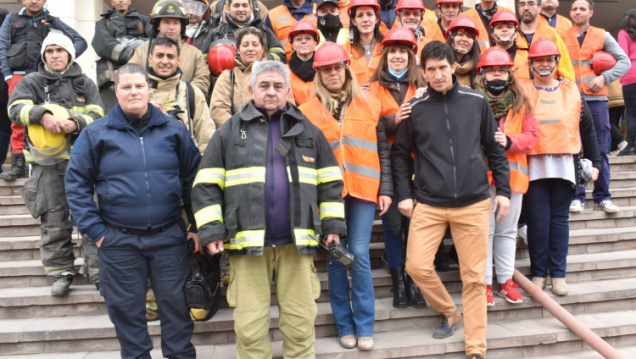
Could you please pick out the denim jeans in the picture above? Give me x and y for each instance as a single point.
(629, 95)
(547, 206)
(600, 114)
(355, 315)
(396, 226)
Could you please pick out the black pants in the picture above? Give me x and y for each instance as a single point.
(615, 115)
(5, 133)
(629, 95)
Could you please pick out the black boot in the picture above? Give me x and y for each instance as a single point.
(399, 289)
(630, 150)
(441, 261)
(413, 292)
(18, 170)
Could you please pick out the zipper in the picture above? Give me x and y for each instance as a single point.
(143, 150)
(450, 140)
(271, 209)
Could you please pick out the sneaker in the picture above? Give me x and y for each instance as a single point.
(509, 291)
(576, 206)
(490, 300)
(522, 232)
(621, 146)
(608, 206)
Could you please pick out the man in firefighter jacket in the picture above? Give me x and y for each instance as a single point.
(21, 37)
(117, 34)
(55, 104)
(269, 156)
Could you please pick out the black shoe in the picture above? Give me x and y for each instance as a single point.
(441, 261)
(62, 286)
(18, 170)
(400, 299)
(97, 286)
(629, 151)
(385, 263)
(413, 293)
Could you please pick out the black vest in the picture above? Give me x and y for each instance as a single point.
(26, 39)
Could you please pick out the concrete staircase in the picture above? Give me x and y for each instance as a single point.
(601, 274)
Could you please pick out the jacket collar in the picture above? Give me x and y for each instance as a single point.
(292, 118)
(307, 8)
(43, 14)
(255, 21)
(167, 84)
(117, 120)
(131, 12)
(385, 80)
(450, 93)
(73, 71)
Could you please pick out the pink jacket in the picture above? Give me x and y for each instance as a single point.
(629, 46)
(525, 141)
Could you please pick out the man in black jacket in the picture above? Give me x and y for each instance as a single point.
(5, 123)
(452, 130)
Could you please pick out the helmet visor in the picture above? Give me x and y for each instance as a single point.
(196, 8)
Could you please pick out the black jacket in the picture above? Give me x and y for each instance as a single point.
(384, 153)
(588, 140)
(452, 135)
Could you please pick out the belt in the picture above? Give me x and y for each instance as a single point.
(144, 232)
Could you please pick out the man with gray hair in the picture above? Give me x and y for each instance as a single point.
(269, 156)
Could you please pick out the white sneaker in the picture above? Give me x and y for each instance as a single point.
(576, 206)
(621, 146)
(522, 232)
(608, 206)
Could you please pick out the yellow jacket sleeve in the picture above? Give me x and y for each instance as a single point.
(565, 68)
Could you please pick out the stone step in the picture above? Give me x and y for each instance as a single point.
(622, 197)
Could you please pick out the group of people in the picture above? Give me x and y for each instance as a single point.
(266, 133)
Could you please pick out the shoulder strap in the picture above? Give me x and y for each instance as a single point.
(219, 7)
(108, 23)
(232, 92)
(191, 102)
(255, 9)
(140, 26)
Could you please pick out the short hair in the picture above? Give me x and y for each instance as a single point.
(165, 41)
(269, 66)
(437, 50)
(589, 2)
(538, 2)
(249, 2)
(250, 30)
(131, 69)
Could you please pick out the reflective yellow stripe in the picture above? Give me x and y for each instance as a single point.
(246, 239)
(19, 102)
(245, 176)
(307, 175)
(332, 209)
(94, 108)
(306, 237)
(77, 111)
(211, 175)
(24, 114)
(289, 174)
(329, 174)
(209, 214)
(88, 119)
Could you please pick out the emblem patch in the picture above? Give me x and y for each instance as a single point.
(308, 159)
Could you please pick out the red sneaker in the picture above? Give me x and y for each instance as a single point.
(509, 292)
(489, 298)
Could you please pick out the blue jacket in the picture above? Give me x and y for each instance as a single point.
(387, 13)
(297, 13)
(140, 179)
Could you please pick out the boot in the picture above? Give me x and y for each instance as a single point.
(413, 293)
(400, 299)
(441, 261)
(18, 169)
(62, 286)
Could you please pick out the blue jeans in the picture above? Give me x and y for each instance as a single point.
(355, 315)
(395, 226)
(629, 94)
(547, 206)
(600, 114)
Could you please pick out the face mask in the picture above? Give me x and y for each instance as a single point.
(399, 76)
(496, 87)
(328, 21)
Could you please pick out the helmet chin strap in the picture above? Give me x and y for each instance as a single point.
(503, 41)
(545, 74)
(455, 47)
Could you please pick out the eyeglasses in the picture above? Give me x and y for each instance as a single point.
(300, 39)
(527, 4)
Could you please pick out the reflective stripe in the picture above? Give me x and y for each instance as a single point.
(547, 102)
(332, 209)
(289, 174)
(307, 175)
(18, 102)
(281, 19)
(549, 122)
(306, 237)
(360, 143)
(483, 42)
(334, 145)
(362, 170)
(578, 81)
(24, 114)
(514, 166)
(283, 43)
(211, 175)
(587, 80)
(246, 239)
(77, 111)
(94, 108)
(117, 51)
(88, 119)
(586, 62)
(575, 62)
(329, 174)
(245, 176)
(311, 17)
(342, 169)
(209, 214)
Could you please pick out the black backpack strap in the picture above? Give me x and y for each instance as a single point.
(191, 104)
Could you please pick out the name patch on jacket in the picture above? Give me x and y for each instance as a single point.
(308, 159)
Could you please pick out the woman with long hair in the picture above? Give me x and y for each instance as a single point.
(627, 41)
(394, 83)
(366, 37)
(304, 38)
(517, 134)
(462, 36)
(348, 117)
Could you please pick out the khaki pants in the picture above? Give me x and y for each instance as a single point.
(249, 292)
(469, 227)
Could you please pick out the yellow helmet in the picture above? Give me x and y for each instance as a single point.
(45, 146)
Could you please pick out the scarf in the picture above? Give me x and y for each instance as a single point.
(303, 69)
(339, 100)
(396, 76)
(499, 105)
(488, 13)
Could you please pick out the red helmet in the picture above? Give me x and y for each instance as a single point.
(504, 16)
(494, 56)
(400, 35)
(303, 26)
(602, 61)
(464, 22)
(221, 56)
(543, 47)
(440, 2)
(357, 3)
(330, 53)
(410, 4)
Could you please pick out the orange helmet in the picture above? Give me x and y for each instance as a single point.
(357, 3)
(494, 56)
(543, 47)
(440, 2)
(464, 22)
(410, 4)
(504, 16)
(304, 26)
(400, 35)
(221, 56)
(602, 61)
(330, 53)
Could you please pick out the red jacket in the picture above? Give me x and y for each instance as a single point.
(524, 142)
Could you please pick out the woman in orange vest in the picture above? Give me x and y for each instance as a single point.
(304, 38)
(364, 46)
(394, 82)
(348, 117)
(517, 134)
(565, 127)
(462, 36)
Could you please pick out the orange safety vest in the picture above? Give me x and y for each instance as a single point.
(389, 106)
(429, 18)
(282, 22)
(355, 144)
(483, 39)
(558, 114)
(582, 56)
(518, 163)
(303, 91)
(563, 24)
(359, 67)
(521, 66)
(433, 32)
